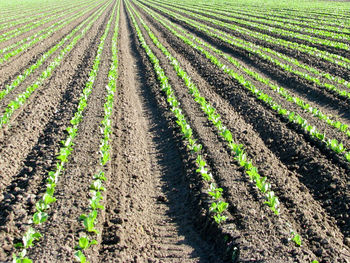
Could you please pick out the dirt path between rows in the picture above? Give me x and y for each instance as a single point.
(29, 149)
(148, 210)
(291, 183)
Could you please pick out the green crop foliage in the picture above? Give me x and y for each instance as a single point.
(85, 243)
(240, 155)
(42, 205)
(180, 118)
(89, 221)
(39, 62)
(96, 186)
(28, 239)
(248, 85)
(40, 217)
(295, 237)
(215, 192)
(80, 257)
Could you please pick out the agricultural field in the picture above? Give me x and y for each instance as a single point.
(174, 131)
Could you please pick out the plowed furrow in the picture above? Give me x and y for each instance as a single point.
(148, 207)
(259, 140)
(27, 168)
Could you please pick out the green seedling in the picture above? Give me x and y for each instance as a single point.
(200, 161)
(50, 188)
(242, 159)
(85, 243)
(80, 257)
(95, 200)
(89, 221)
(29, 237)
(227, 135)
(48, 199)
(220, 218)
(218, 207)
(215, 192)
(253, 174)
(21, 258)
(262, 184)
(41, 206)
(64, 153)
(236, 148)
(272, 202)
(296, 238)
(100, 176)
(40, 217)
(97, 185)
(204, 173)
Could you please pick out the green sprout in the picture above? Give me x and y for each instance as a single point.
(296, 238)
(85, 243)
(97, 185)
(89, 221)
(80, 257)
(40, 217)
(215, 192)
(272, 202)
(28, 239)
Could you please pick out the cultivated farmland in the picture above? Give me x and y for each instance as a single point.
(174, 131)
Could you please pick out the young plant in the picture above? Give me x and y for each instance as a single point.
(40, 217)
(80, 257)
(272, 202)
(295, 237)
(100, 176)
(218, 208)
(89, 221)
(97, 185)
(262, 184)
(220, 218)
(84, 243)
(215, 192)
(21, 258)
(28, 239)
(95, 200)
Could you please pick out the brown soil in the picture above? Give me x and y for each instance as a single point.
(156, 205)
(17, 64)
(150, 209)
(303, 57)
(32, 154)
(55, 17)
(314, 101)
(298, 84)
(248, 139)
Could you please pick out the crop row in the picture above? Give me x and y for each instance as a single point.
(310, 50)
(291, 116)
(300, 14)
(22, 98)
(255, 15)
(22, 77)
(48, 198)
(237, 150)
(342, 127)
(47, 19)
(39, 36)
(280, 60)
(96, 187)
(27, 16)
(274, 27)
(328, 12)
(218, 206)
(278, 31)
(261, 53)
